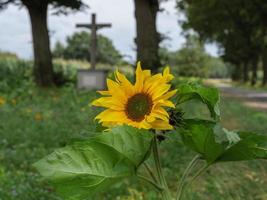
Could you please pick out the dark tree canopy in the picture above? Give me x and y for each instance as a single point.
(237, 26)
(74, 4)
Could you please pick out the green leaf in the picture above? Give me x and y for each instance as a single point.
(217, 144)
(250, 146)
(86, 167)
(209, 96)
(199, 136)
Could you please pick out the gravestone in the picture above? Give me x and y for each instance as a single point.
(92, 79)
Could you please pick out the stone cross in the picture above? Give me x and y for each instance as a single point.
(94, 27)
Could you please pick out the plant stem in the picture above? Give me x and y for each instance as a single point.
(185, 175)
(199, 172)
(159, 188)
(150, 171)
(165, 192)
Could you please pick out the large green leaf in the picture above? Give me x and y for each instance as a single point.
(217, 144)
(199, 136)
(207, 95)
(90, 166)
(250, 146)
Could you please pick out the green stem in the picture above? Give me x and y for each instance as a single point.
(159, 188)
(150, 171)
(165, 192)
(185, 175)
(199, 172)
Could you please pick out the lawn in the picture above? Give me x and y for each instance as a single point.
(35, 122)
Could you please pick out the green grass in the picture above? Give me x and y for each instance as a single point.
(35, 122)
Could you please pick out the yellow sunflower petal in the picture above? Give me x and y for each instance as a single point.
(112, 85)
(153, 82)
(160, 110)
(105, 93)
(108, 102)
(124, 82)
(146, 74)
(145, 125)
(116, 90)
(141, 76)
(138, 77)
(158, 92)
(166, 104)
(159, 116)
(110, 115)
(167, 75)
(150, 118)
(161, 125)
(167, 95)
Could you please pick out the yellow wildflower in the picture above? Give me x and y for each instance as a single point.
(2, 101)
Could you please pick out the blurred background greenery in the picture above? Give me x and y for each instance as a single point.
(39, 115)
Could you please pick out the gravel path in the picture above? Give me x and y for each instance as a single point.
(251, 98)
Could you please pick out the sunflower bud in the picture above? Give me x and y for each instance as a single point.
(176, 117)
(176, 120)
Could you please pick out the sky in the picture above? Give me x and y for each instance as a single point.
(15, 31)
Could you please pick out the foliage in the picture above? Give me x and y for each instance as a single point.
(208, 96)
(89, 166)
(13, 74)
(49, 119)
(237, 27)
(64, 72)
(92, 163)
(78, 48)
(217, 144)
(17, 73)
(193, 61)
(219, 69)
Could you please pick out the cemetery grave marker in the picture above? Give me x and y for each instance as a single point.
(92, 79)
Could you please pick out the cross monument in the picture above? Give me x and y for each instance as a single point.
(94, 27)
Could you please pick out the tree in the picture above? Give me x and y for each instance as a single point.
(37, 9)
(78, 48)
(58, 51)
(147, 39)
(237, 26)
(192, 60)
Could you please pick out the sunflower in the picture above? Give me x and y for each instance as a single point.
(140, 105)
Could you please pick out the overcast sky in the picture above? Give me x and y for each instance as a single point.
(15, 32)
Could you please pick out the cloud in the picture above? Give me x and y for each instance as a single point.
(16, 34)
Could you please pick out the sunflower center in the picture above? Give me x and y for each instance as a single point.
(138, 106)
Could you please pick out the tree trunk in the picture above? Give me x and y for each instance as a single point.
(245, 72)
(254, 76)
(147, 39)
(43, 68)
(236, 73)
(264, 66)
